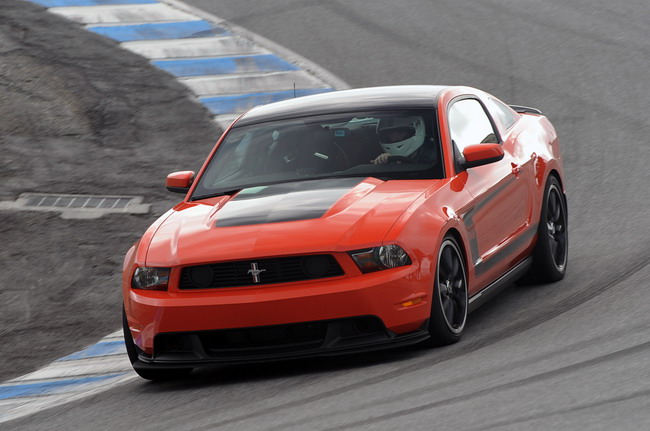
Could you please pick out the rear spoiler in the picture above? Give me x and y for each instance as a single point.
(526, 110)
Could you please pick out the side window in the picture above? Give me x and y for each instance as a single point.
(504, 113)
(469, 124)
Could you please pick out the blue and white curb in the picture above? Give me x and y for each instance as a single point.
(229, 69)
(89, 371)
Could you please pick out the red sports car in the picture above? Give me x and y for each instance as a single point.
(344, 222)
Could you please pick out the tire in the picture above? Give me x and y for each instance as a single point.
(153, 375)
(551, 252)
(449, 302)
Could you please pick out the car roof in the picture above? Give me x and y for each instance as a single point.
(360, 99)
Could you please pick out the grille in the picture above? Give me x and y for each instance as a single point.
(275, 270)
(259, 340)
(293, 337)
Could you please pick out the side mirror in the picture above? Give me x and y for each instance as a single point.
(481, 154)
(179, 182)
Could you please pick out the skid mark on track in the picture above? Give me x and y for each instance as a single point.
(577, 408)
(452, 383)
(499, 388)
(559, 307)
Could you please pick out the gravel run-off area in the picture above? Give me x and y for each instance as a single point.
(78, 115)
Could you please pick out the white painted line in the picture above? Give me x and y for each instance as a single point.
(13, 402)
(18, 408)
(251, 83)
(117, 334)
(88, 367)
(194, 48)
(122, 14)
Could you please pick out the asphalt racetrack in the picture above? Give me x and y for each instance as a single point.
(573, 355)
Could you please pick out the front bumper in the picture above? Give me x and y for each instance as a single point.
(274, 343)
(382, 294)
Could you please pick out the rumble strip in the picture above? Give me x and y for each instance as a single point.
(86, 372)
(229, 69)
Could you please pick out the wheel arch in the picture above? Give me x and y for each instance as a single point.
(553, 172)
(556, 174)
(455, 233)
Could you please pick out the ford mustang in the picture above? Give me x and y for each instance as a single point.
(344, 222)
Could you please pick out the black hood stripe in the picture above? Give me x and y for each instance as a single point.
(301, 200)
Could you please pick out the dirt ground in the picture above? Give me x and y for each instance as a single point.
(78, 115)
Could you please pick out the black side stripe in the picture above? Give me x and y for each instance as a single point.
(480, 267)
(506, 251)
(469, 214)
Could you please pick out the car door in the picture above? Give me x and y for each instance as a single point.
(516, 142)
(499, 208)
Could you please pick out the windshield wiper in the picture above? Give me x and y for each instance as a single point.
(214, 195)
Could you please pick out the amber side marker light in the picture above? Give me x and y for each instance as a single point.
(412, 302)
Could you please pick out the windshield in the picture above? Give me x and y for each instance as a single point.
(386, 144)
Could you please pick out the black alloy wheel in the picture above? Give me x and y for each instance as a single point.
(449, 304)
(551, 251)
(556, 228)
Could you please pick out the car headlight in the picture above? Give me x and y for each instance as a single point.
(149, 278)
(382, 257)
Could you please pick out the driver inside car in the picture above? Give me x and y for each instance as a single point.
(404, 137)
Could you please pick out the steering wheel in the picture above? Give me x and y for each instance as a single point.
(395, 159)
(344, 158)
(341, 158)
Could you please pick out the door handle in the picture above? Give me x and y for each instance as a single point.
(515, 169)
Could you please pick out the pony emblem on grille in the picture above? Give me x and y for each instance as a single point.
(255, 272)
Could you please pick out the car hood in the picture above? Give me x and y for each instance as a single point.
(332, 215)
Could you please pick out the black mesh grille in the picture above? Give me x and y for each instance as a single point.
(297, 336)
(275, 270)
(293, 337)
